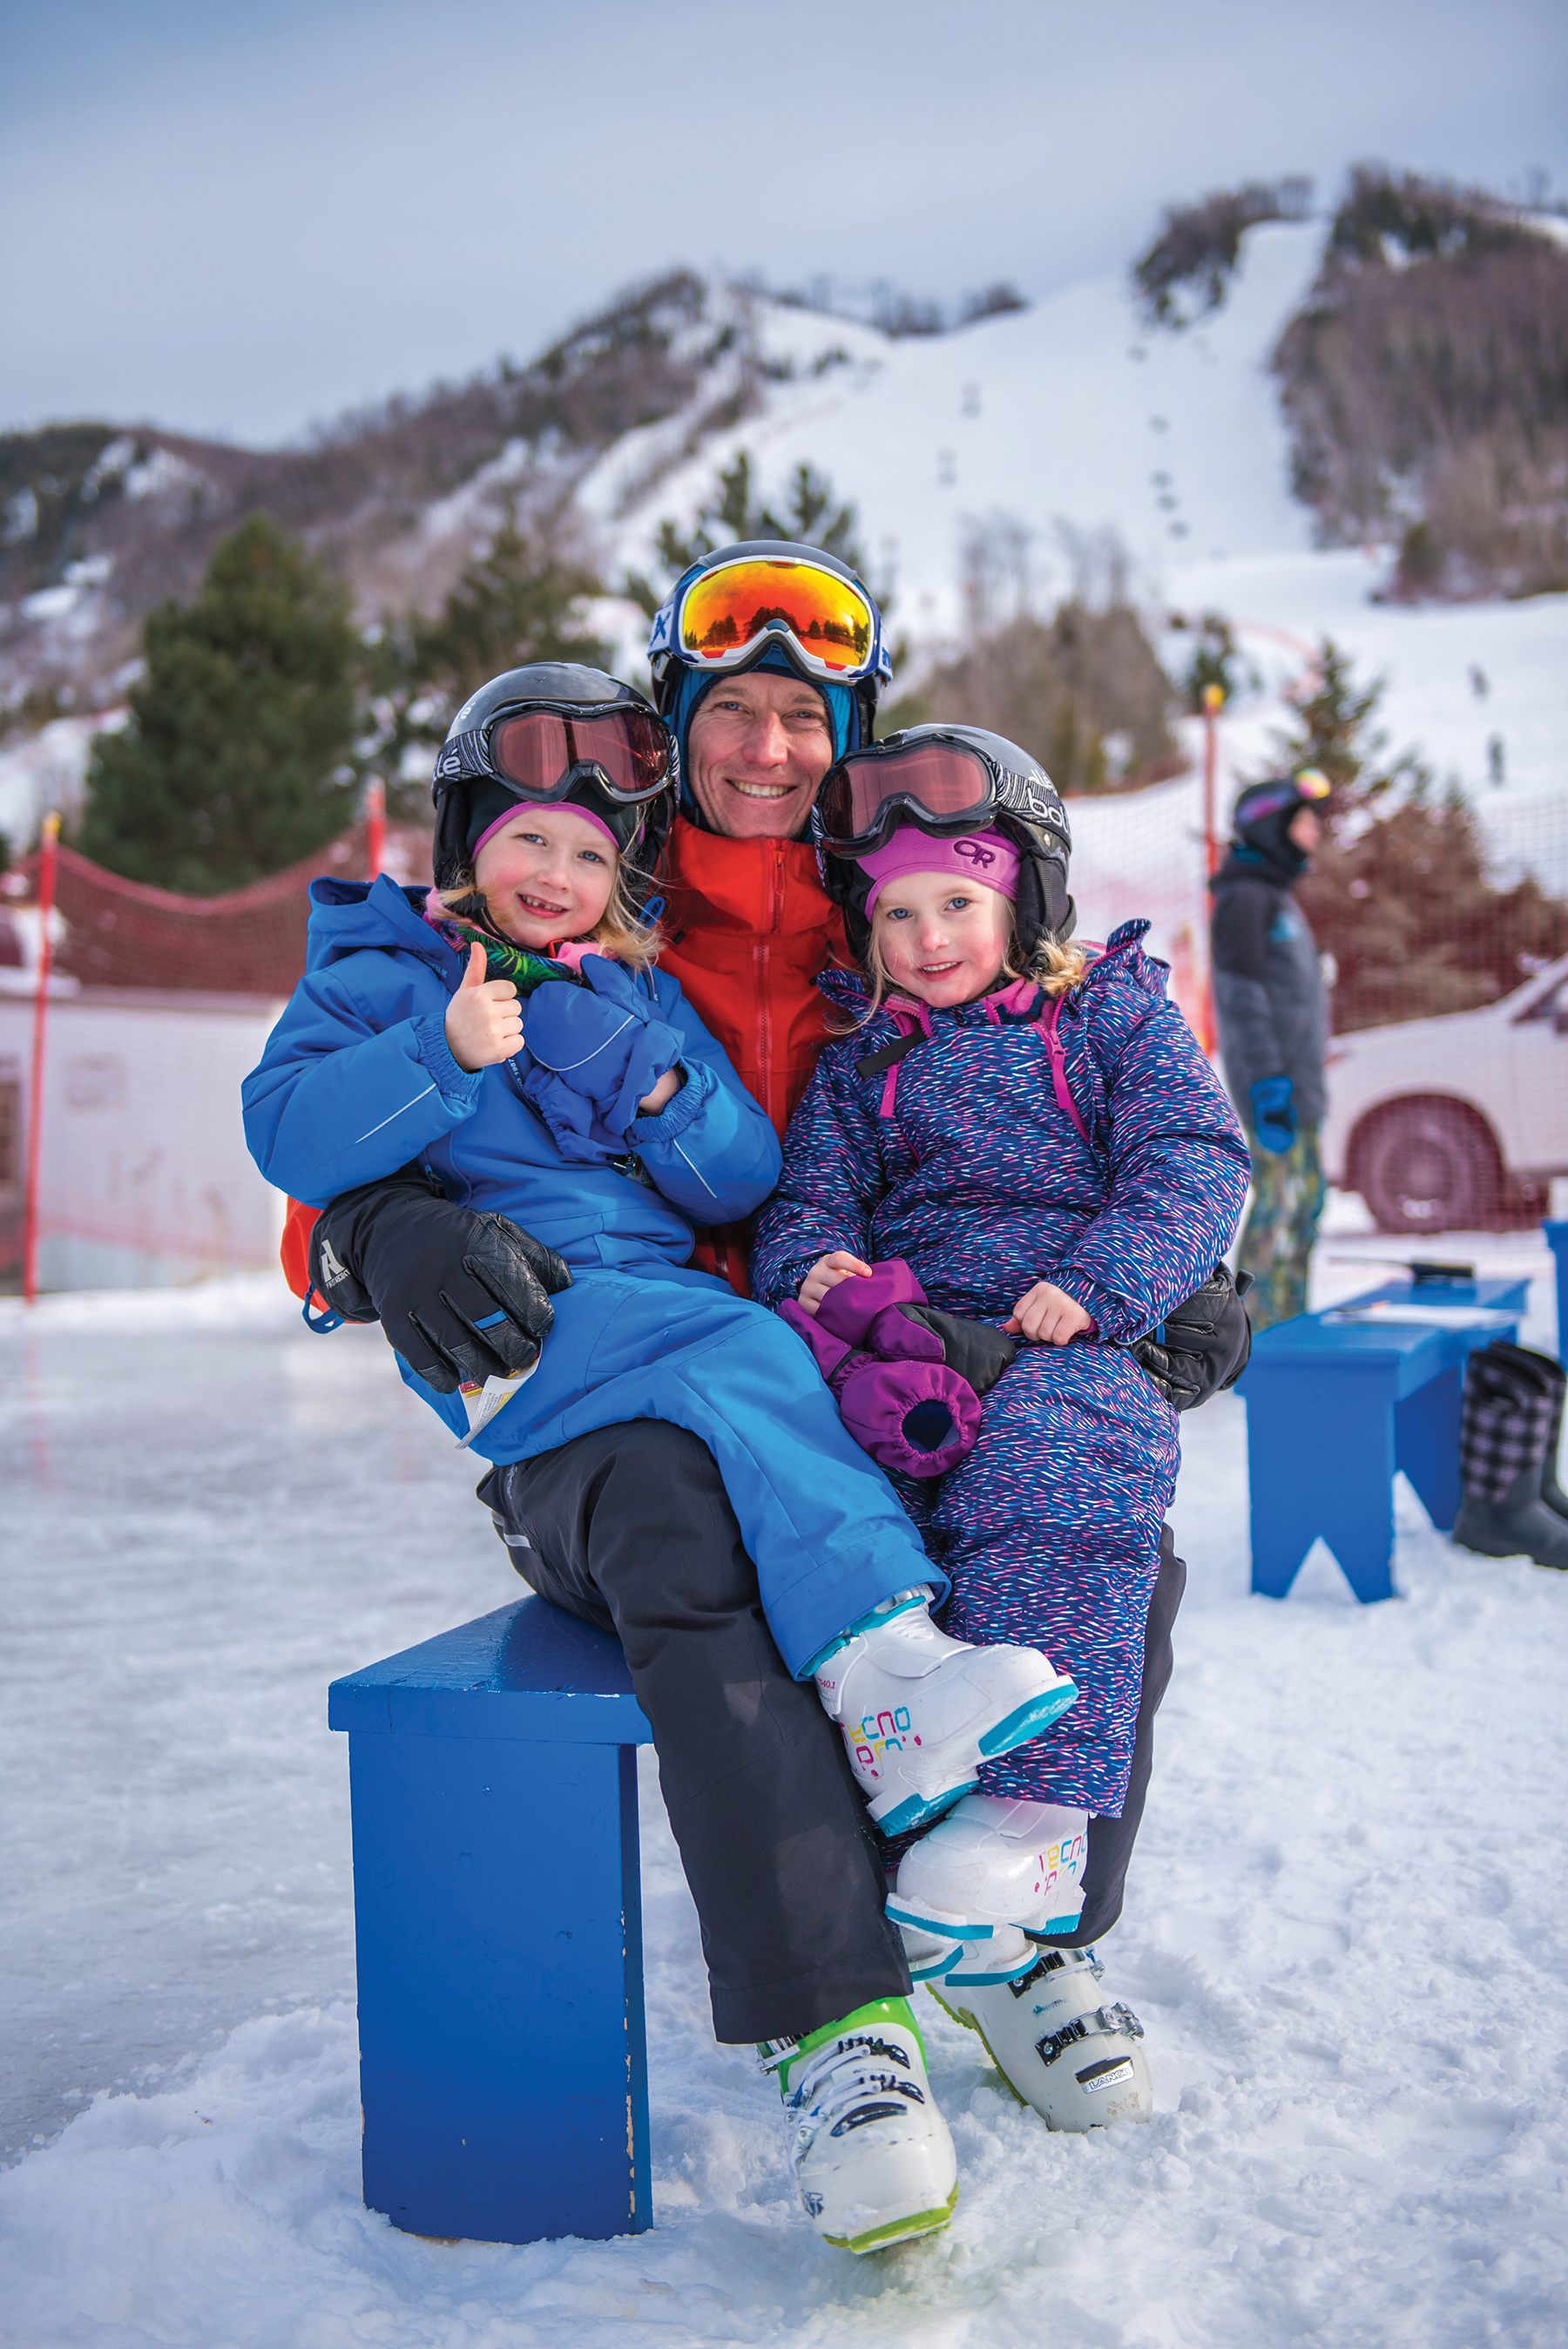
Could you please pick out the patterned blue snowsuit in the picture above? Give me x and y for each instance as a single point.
(1050, 1527)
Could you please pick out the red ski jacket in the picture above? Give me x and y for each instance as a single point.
(748, 927)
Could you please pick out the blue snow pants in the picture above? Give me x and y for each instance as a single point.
(1050, 1531)
(820, 1521)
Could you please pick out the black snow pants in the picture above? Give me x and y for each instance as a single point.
(1111, 1841)
(630, 1527)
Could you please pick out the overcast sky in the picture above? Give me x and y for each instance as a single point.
(236, 222)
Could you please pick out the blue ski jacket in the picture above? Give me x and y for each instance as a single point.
(357, 1081)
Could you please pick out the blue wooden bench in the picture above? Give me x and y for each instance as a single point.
(497, 1907)
(1333, 1409)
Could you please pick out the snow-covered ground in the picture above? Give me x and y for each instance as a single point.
(1345, 1936)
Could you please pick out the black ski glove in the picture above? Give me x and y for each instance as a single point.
(460, 1296)
(977, 1352)
(1207, 1342)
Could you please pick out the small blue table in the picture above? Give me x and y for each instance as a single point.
(1334, 1410)
(498, 1920)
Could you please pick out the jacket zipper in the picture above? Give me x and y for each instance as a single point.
(761, 956)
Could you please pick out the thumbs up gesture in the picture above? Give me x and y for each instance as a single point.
(484, 1019)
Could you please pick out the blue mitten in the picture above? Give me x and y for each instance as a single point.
(1273, 1114)
(595, 1052)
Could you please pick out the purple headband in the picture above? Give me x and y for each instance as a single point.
(983, 856)
(521, 807)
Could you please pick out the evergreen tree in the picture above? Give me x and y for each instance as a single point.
(1399, 894)
(515, 604)
(1213, 662)
(237, 760)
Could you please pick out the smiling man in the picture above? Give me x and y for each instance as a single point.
(748, 923)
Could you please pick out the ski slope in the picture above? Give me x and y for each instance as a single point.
(1071, 412)
(1346, 1932)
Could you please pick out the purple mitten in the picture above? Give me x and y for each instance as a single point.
(863, 1311)
(832, 1353)
(917, 1416)
(913, 1415)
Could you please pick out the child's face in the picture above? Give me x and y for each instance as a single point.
(546, 875)
(941, 941)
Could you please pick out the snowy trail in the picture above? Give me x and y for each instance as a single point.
(1345, 1936)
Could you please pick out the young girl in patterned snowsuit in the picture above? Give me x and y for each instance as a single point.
(1070, 1207)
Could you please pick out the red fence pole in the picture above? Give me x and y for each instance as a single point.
(375, 824)
(36, 1077)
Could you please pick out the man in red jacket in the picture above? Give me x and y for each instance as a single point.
(748, 924)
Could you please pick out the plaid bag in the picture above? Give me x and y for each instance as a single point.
(1505, 1426)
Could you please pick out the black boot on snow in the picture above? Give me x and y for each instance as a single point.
(1509, 1411)
(1553, 1381)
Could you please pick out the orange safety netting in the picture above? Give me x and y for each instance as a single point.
(251, 941)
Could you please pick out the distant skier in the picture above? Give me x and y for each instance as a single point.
(1272, 1009)
(1028, 1128)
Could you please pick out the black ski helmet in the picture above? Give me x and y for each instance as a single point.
(470, 795)
(1028, 812)
(1264, 813)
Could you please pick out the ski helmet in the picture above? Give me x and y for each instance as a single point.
(947, 780)
(1264, 813)
(554, 733)
(776, 604)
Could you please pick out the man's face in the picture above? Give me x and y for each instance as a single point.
(758, 748)
(1304, 829)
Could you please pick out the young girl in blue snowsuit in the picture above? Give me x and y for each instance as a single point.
(1032, 1129)
(602, 1118)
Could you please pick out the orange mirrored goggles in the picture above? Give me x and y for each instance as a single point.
(726, 613)
(1312, 783)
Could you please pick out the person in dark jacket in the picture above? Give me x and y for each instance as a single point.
(1273, 1011)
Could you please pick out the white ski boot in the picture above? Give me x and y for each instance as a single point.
(1058, 2048)
(920, 1712)
(871, 2156)
(995, 1869)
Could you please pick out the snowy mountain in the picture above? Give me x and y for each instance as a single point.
(1040, 430)
(1073, 413)
(1068, 411)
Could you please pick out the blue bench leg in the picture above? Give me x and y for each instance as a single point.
(504, 2067)
(1320, 1460)
(1426, 1446)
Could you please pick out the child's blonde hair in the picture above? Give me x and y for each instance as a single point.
(621, 931)
(1055, 966)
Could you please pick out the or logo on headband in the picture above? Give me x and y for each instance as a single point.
(663, 621)
(975, 851)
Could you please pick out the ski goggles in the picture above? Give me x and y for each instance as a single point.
(940, 781)
(722, 618)
(542, 752)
